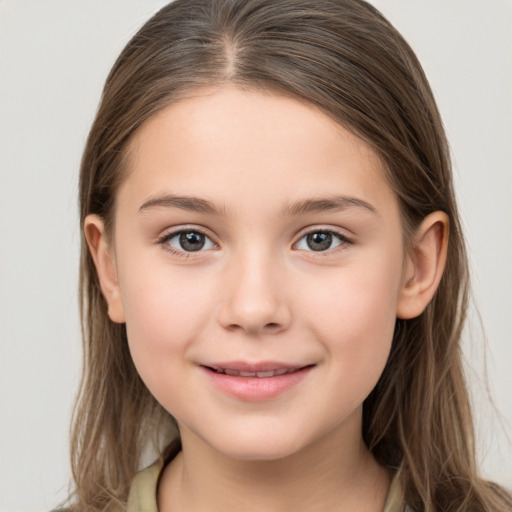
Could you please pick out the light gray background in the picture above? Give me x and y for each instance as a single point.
(54, 57)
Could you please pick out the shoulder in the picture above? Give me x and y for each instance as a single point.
(143, 490)
(395, 501)
(143, 493)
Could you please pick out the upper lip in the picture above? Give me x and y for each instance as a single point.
(264, 366)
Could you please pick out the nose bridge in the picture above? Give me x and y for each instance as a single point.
(255, 299)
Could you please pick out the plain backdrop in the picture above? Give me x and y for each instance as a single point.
(54, 57)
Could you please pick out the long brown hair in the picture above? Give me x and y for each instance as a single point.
(344, 58)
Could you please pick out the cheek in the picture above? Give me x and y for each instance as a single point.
(162, 321)
(355, 321)
(361, 298)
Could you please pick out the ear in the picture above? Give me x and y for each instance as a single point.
(104, 261)
(424, 266)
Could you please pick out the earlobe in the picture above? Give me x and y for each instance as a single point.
(424, 266)
(103, 257)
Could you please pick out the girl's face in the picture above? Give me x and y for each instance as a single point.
(258, 262)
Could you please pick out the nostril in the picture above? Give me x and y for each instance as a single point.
(253, 316)
(271, 326)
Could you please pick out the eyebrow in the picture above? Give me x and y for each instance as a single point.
(301, 207)
(194, 204)
(324, 204)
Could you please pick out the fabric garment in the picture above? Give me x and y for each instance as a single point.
(143, 492)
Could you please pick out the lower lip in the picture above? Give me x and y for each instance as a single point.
(256, 389)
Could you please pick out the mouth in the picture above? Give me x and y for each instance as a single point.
(256, 382)
(262, 374)
(260, 370)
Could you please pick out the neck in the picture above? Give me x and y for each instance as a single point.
(337, 472)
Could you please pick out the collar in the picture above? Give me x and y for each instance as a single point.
(143, 491)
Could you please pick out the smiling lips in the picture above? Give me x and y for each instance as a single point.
(260, 374)
(255, 382)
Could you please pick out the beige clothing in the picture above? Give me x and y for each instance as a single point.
(142, 496)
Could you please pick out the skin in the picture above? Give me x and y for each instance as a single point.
(257, 292)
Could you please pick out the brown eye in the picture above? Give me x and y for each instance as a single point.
(191, 241)
(188, 241)
(320, 241)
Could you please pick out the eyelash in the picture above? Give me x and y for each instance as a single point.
(342, 239)
(163, 241)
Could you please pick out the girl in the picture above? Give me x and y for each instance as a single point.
(273, 275)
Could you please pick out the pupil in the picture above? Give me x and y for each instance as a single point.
(191, 241)
(319, 241)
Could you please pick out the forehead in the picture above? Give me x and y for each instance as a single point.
(239, 146)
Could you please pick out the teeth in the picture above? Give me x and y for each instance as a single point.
(266, 374)
(261, 375)
(247, 374)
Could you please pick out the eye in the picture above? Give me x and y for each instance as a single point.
(189, 240)
(320, 241)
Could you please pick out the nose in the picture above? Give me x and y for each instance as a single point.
(254, 297)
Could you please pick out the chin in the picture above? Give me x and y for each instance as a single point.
(259, 450)
(252, 444)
